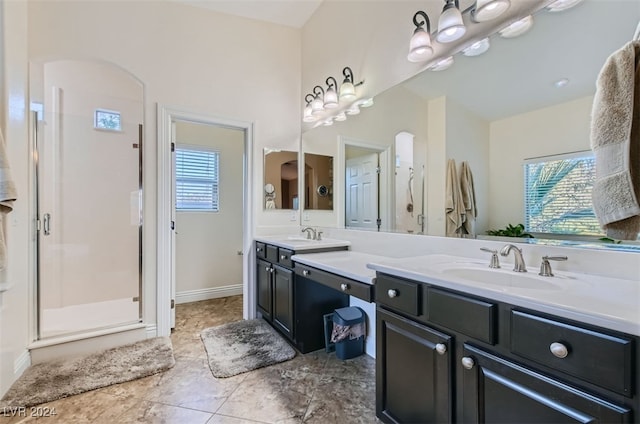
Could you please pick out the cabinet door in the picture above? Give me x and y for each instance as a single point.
(283, 300)
(413, 371)
(263, 277)
(499, 391)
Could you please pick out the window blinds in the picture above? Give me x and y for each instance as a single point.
(197, 185)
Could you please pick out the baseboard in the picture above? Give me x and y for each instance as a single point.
(210, 293)
(22, 363)
(152, 330)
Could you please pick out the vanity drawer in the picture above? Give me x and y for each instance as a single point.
(345, 285)
(599, 358)
(272, 254)
(284, 257)
(472, 317)
(397, 294)
(261, 250)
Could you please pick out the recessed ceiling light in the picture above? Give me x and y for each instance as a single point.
(561, 82)
(442, 64)
(477, 48)
(560, 5)
(517, 28)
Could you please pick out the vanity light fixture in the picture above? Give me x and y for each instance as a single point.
(317, 106)
(308, 115)
(441, 65)
(331, 95)
(347, 89)
(366, 102)
(420, 45)
(486, 10)
(341, 117)
(561, 83)
(450, 25)
(477, 48)
(560, 5)
(353, 110)
(517, 28)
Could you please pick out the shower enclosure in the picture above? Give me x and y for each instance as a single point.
(88, 196)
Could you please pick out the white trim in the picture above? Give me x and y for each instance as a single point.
(208, 293)
(84, 336)
(562, 156)
(167, 115)
(21, 363)
(152, 331)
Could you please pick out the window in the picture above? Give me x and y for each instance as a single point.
(197, 179)
(107, 120)
(558, 194)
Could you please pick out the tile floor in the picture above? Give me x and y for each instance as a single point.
(312, 388)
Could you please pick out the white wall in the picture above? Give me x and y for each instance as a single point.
(15, 304)
(207, 262)
(533, 134)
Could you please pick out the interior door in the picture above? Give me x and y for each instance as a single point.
(362, 209)
(173, 225)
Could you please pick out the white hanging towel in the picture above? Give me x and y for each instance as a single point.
(468, 199)
(8, 195)
(615, 141)
(454, 206)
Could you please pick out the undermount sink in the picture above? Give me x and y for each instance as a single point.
(299, 238)
(506, 280)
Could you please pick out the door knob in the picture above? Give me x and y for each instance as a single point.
(468, 362)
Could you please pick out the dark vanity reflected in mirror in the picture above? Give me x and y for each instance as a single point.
(280, 179)
(527, 97)
(318, 182)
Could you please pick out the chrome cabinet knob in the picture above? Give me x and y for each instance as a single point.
(258, 249)
(267, 268)
(559, 350)
(283, 257)
(468, 363)
(392, 293)
(305, 272)
(344, 286)
(441, 348)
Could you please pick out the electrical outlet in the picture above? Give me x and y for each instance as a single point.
(305, 216)
(294, 216)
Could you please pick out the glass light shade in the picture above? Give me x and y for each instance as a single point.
(328, 122)
(442, 64)
(317, 106)
(353, 110)
(341, 117)
(477, 48)
(347, 90)
(331, 98)
(450, 25)
(486, 10)
(308, 116)
(560, 5)
(366, 102)
(420, 46)
(517, 28)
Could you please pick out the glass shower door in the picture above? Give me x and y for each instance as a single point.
(89, 198)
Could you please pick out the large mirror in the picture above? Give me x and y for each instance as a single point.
(526, 97)
(318, 182)
(280, 179)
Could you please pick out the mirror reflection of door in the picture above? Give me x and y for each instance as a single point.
(318, 181)
(362, 188)
(289, 184)
(281, 176)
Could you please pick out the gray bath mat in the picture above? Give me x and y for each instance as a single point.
(243, 346)
(48, 381)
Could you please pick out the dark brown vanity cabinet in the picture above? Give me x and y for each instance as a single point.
(504, 364)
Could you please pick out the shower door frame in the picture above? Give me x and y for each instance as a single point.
(38, 228)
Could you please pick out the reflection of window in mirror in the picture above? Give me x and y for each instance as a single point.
(280, 178)
(318, 181)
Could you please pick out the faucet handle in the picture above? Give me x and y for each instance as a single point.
(319, 235)
(545, 266)
(495, 262)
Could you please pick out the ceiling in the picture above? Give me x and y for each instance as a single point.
(292, 13)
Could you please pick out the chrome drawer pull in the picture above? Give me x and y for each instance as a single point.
(305, 272)
(468, 363)
(392, 293)
(559, 350)
(441, 348)
(344, 286)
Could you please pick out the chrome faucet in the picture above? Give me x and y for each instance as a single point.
(517, 254)
(310, 231)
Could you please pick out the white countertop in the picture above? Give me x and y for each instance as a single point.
(301, 243)
(606, 302)
(348, 264)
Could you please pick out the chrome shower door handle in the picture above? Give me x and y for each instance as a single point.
(46, 222)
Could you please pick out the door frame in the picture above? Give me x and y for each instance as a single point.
(165, 253)
(385, 193)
